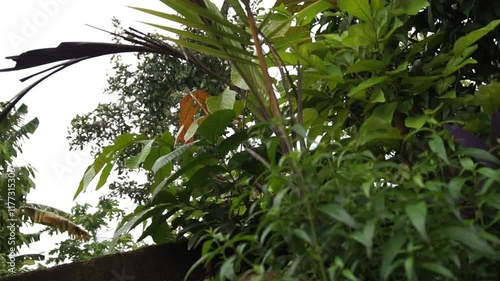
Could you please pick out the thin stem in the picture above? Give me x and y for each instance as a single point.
(280, 130)
(314, 240)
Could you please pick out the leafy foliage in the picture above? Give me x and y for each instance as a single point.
(148, 102)
(95, 223)
(15, 184)
(367, 148)
(348, 172)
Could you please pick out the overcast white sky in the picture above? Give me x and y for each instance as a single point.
(26, 25)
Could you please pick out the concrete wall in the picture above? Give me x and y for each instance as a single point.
(169, 262)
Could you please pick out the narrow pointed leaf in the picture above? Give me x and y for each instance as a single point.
(337, 212)
(470, 239)
(240, 36)
(390, 250)
(466, 41)
(164, 160)
(417, 213)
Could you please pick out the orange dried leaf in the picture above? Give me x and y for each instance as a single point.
(189, 107)
(201, 98)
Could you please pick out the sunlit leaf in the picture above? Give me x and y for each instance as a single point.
(357, 8)
(164, 160)
(225, 100)
(416, 122)
(134, 162)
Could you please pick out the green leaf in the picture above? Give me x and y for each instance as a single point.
(366, 65)
(378, 126)
(302, 235)
(338, 123)
(377, 96)
(104, 175)
(199, 183)
(202, 38)
(463, 42)
(309, 13)
(468, 238)
(161, 232)
(134, 162)
(450, 69)
(240, 36)
(227, 269)
(164, 160)
(308, 115)
(277, 26)
(481, 155)
(488, 97)
(195, 14)
(131, 221)
(215, 124)
(108, 154)
(31, 126)
(366, 237)
(397, 24)
(437, 146)
(211, 51)
(300, 130)
(367, 84)
(360, 34)
(377, 4)
(439, 269)
(416, 122)
(449, 95)
(349, 275)
(357, 8)
(413, 7)
(337, 212)
(494, 201)
(390, 250)
(224, 101)
(417, 213)
(455, 187)
(424, 43)
(409, 267)
(156, 151)
(402, 67)
(232, 142)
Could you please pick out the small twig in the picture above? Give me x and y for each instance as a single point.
(258, 157)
